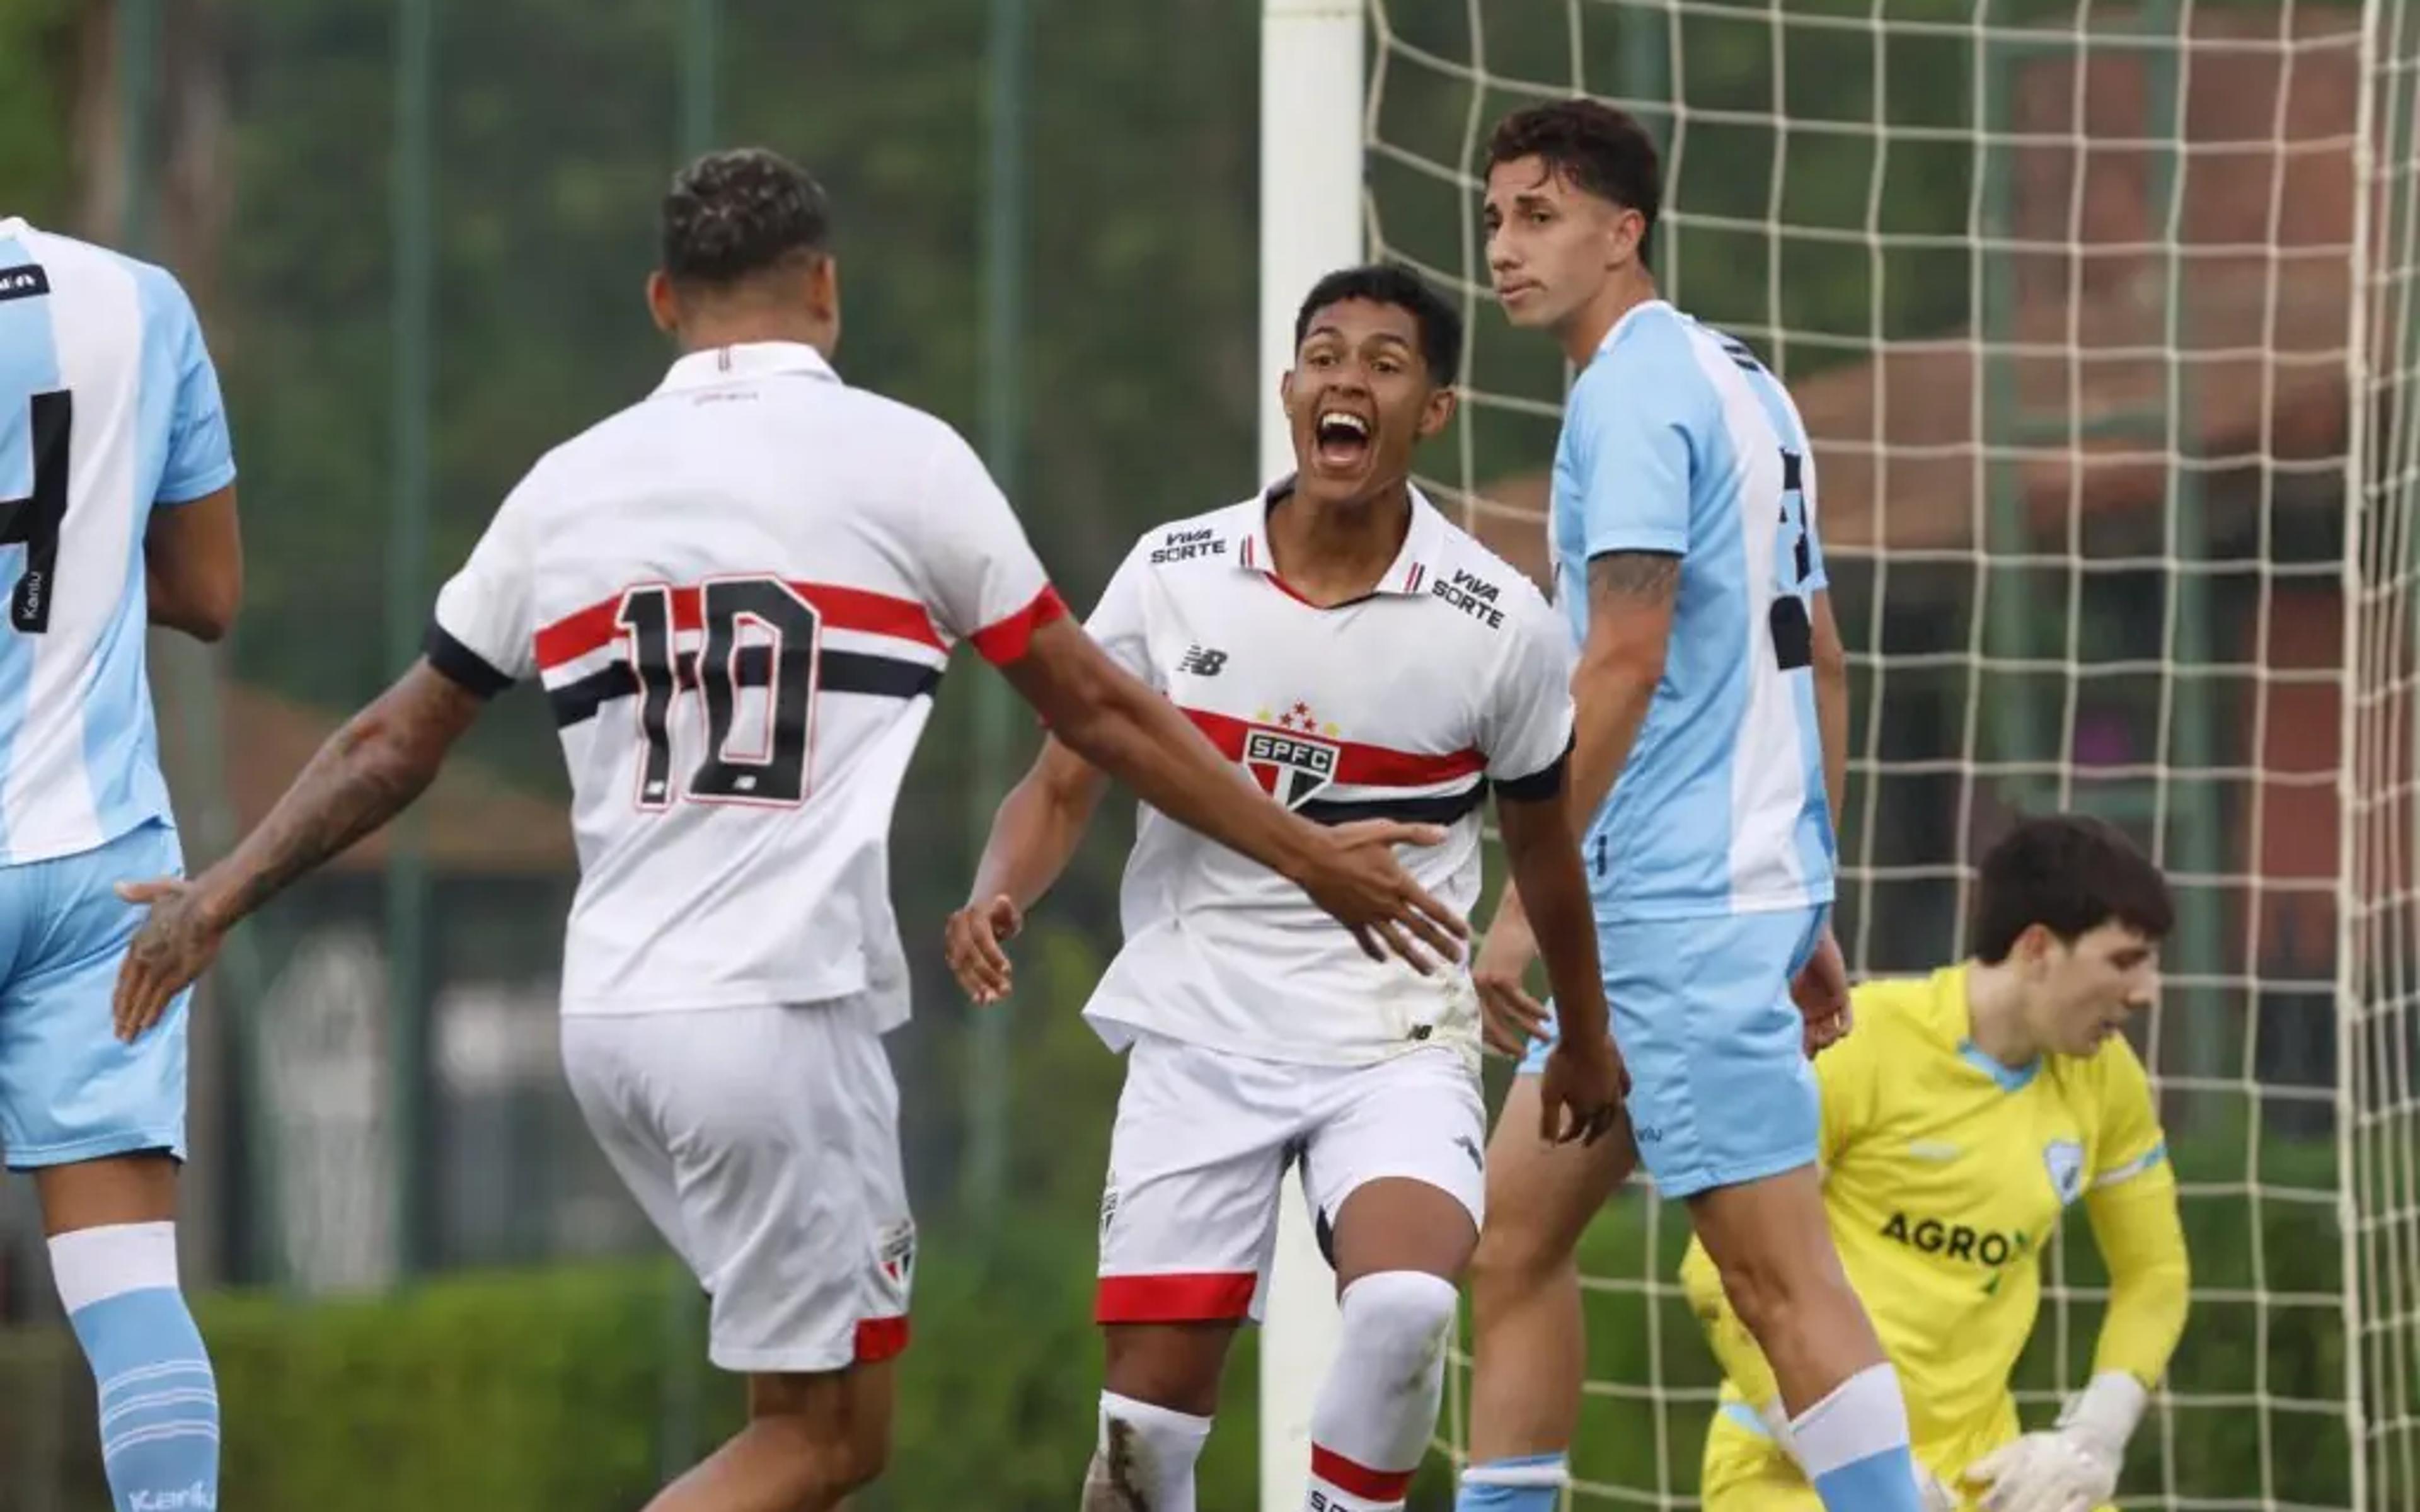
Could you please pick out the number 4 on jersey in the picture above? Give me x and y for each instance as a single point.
(35, 522)
(771, 768)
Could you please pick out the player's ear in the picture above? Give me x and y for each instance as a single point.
(1437, 412)
(1285, 391)
(663, 303)
(823, 288)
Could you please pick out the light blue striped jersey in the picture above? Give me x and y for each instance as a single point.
(109, 406)
(1677, 440)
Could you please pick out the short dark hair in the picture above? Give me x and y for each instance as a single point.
(732, 215)
(2070, 873)
(1385, 284)
(1604, 151)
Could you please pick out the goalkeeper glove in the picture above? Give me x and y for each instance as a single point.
(2073, 1468)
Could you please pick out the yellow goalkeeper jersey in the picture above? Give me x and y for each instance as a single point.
(1945, 1173)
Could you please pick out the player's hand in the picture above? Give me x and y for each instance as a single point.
(1355, 877)
(2052, 1472)
(1579, 1096)
(1822, 994)
(971, 940)
(175, 945)
(1509, 1017)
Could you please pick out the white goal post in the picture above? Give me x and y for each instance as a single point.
(1312, 94)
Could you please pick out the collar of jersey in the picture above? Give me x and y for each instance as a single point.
(754, 359)
(1413, 564)
(1630, 315)
(1958, 1026)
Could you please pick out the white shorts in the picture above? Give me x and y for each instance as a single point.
(1190, 1218)
(764, 1145)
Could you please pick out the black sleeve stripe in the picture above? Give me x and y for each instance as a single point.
(1539, 785)
(463, 665)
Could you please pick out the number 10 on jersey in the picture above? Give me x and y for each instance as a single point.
(759, 634)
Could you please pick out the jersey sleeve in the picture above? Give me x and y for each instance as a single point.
(1121, 624)
(1638, 411)
(2132, 1203)
(2141, 1241)
(981, 575)
(1529, 714)
(2128, 1142)
(200, 459)
(483, 634)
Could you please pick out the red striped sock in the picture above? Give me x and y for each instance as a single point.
(1342, 1485)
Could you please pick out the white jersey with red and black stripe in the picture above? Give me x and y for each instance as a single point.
(1451, 676)
(738, 595)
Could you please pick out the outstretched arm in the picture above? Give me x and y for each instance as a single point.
(1119, 724)
(367, 772)
(1036, 831)
(1583, 1073)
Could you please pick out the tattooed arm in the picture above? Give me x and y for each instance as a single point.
(1630, 627)
(384, 757)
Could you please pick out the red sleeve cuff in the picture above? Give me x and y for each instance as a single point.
(1005, 640)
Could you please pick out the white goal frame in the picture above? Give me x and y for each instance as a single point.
(1312, 88)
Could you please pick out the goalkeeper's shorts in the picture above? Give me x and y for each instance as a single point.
(1721, 1092)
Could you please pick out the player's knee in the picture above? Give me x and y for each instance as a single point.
(1400, 1316)
(829, 1436)
(1515, 1259)
(1774, 1289)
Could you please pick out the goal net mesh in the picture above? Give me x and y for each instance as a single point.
(2103, 319)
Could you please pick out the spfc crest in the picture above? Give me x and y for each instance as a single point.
(1290, 762)
(894, 1255)
(2064, 1159)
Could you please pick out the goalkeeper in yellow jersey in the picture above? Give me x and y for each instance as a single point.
(1962, 1115)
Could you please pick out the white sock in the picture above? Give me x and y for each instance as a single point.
(1144, 1460)
(1375, 1415)
(1852, 1445)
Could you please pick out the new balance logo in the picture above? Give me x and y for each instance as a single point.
(1200, 661)
(1471, 1147)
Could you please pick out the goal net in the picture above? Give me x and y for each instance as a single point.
(2103, 319)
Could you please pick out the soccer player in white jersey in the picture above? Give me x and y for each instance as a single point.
(117, 505)
(1363, 659)
(738, 594)
(1712, 708)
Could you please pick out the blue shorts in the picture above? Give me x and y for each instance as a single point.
(1720, 1088)
(69, 1091)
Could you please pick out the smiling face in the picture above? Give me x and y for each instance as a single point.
(2077, 994)
(1359, 398)
(1552, 246)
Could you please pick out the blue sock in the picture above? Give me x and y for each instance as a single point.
(1539, 1485)
(1854, 1447)
(159, 1401)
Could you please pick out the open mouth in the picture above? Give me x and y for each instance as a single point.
(1340, 438)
